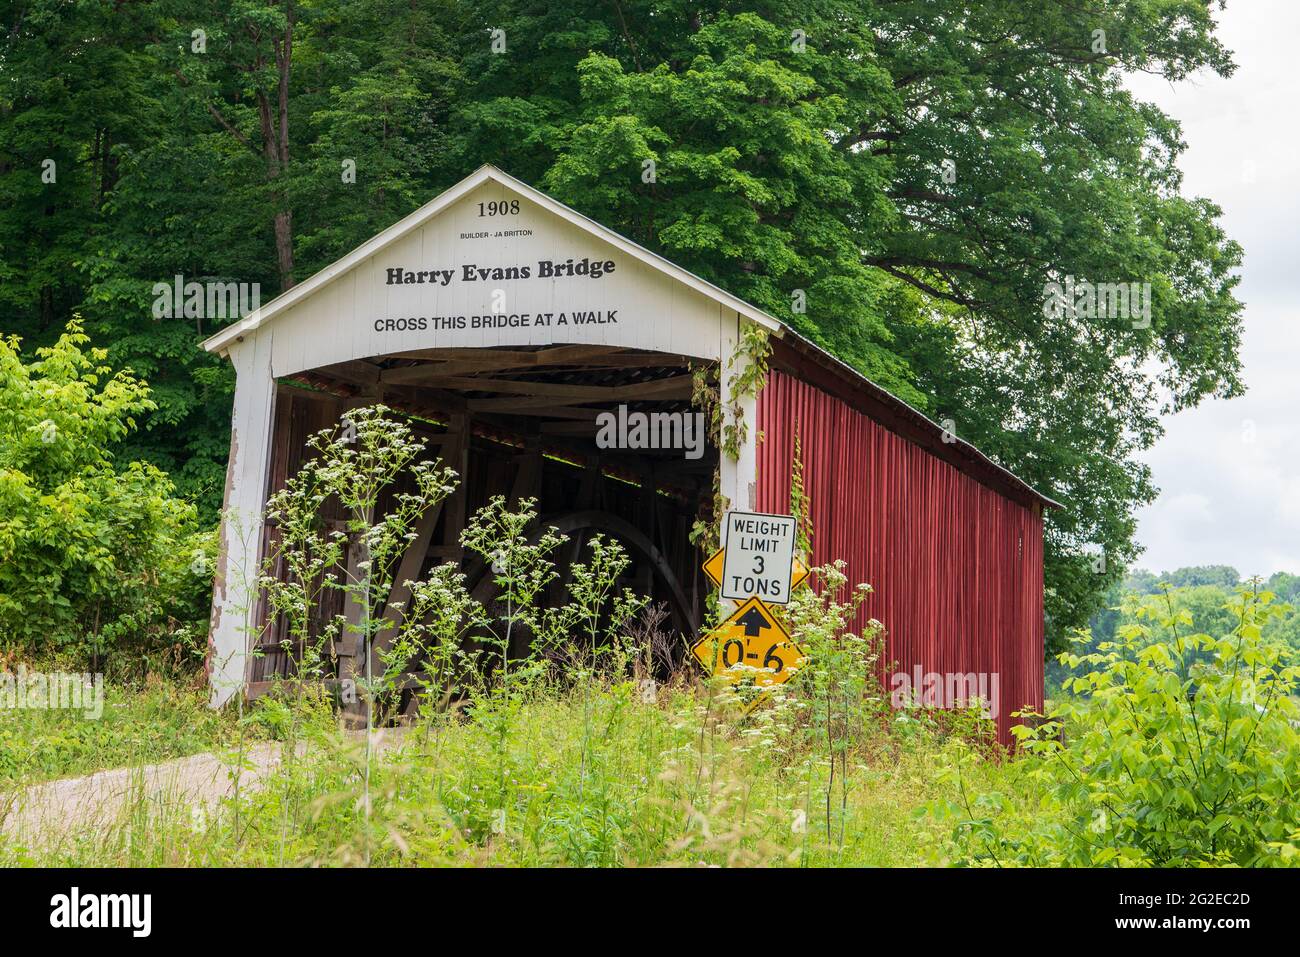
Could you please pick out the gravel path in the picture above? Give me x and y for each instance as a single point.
(44, 812)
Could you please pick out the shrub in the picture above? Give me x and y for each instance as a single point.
(93, 558)
(1177, 749)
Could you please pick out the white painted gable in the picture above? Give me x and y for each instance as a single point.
(492, 262)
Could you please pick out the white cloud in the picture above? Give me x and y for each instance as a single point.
(1226, 499)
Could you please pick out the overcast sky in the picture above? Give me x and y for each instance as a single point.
(1229, 471)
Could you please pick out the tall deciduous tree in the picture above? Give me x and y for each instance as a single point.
(902, 180)
(923, 172)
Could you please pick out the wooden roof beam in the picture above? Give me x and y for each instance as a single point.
(674, 387)
(561, 390)
(515, 357)
(473, 361)
(549, 410)
(358, 373)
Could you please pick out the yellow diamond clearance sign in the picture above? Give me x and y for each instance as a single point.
(751, 647)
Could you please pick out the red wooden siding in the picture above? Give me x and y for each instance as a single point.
(956, 568)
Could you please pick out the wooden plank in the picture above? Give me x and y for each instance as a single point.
(457, 457)
(533, 405)
(513, 360)
(301, 389)
(647, 509)
(459, 366)
(470, 353)
(551, 356)
(234, 597)
(574, 427)
(421, 375)
(570, 354)
(351, 642)
(408, 569)
(635, 360)
(418, 401)
(351, 667)
(674, 387)
(528, 480)
(425, 373)
(358, 373)
(257, 689)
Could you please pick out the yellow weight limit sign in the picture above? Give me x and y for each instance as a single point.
(751, 644)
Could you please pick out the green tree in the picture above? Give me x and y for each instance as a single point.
(92, 555)
(920, 171)
(175, 157)
(1224, 576)
(901, 181)
(1141, 581)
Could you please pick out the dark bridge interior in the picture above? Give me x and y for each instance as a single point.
(519, 422)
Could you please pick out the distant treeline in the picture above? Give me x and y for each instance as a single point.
(1202, 590)
(1283, 584)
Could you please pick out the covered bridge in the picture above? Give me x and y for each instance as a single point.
(504, 322)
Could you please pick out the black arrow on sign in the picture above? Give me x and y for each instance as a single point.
(754, 622)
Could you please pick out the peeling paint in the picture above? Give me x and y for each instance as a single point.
(223, 551)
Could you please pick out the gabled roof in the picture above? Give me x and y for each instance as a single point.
(257, 318)
(902, 417)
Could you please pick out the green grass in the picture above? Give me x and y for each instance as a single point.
(593, 777)
(138, 726)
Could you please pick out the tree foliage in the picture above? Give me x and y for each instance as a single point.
(1177, 747)
(918, 170)
(1206, 592)
(93, 557)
